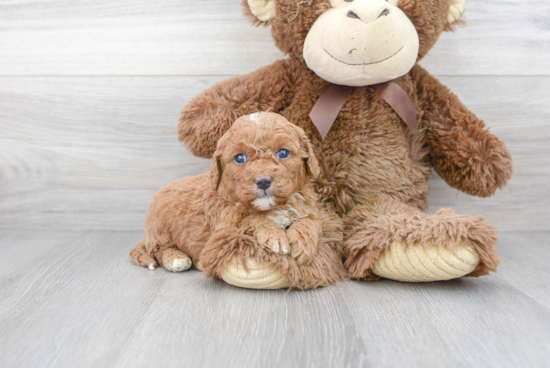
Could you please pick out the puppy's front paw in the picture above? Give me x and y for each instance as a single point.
(275, 240)
(303, 245)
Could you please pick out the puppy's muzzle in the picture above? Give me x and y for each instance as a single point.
(264, 182)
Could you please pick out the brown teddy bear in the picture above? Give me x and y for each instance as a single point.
(378, 122)
(256, 203)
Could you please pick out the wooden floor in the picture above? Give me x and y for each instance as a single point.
(74, 299)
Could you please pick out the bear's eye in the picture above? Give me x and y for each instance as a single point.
(283, 153)
(240, 158)
(348, 1)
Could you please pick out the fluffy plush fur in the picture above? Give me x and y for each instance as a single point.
(374, 171)
(224, 215)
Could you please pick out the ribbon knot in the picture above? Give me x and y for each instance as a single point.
(330, 103)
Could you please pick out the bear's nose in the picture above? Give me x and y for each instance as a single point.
(368, 16)
(263, 182)
(385, 12)
(352, 14)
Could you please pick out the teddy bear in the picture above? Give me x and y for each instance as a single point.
(378, 123)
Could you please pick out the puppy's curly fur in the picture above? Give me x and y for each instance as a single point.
(212, 219)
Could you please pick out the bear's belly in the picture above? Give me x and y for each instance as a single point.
(369, 151)
(373, 166)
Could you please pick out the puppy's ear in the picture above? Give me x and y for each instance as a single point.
(312, 165)
(216, 171)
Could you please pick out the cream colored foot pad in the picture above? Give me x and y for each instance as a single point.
(422, 263)
(258, 276)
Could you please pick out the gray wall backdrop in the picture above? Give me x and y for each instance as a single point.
(90, 93)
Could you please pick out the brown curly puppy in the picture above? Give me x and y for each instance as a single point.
(255, 203)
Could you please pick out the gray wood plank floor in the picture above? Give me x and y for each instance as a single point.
(75, 299)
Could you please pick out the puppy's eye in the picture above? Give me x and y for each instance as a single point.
(240, 158)
(283, 153)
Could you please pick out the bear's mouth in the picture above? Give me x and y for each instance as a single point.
(362, 64)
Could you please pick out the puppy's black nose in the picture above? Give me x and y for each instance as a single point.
(263, 182)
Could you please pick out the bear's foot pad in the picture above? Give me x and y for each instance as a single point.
(258, 276)
(419, 263)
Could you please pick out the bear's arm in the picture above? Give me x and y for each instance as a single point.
(461, 148)
(210, 114)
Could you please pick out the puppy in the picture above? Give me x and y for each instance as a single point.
(256, 198)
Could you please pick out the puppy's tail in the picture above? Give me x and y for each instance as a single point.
(141, 257)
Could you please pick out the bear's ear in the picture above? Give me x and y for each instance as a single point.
(455, 11)
(262, 10)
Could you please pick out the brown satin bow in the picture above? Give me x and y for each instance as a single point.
(333, 98)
